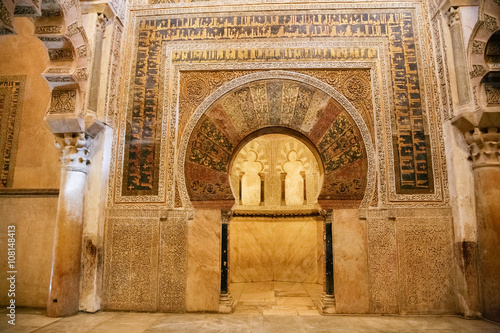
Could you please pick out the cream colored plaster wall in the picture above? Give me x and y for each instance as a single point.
(37, 166)
(34, 218)
(37, 163)
(350, 262)
(203, 276)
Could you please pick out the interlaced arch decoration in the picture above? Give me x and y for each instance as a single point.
(334, 126)
(487, 25)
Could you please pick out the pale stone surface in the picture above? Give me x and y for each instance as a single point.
(487, 185)
(93, 222)
(34, 218)
(277, 298)
(462, 202)
(266, 249)
(294, 182)
(203, 276)
(250, 181)
(350, 262)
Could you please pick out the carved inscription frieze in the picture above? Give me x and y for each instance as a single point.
(11, 105)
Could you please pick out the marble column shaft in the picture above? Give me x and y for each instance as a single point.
(66, 258)
(327, 302)
(485, 154)
(226, 301)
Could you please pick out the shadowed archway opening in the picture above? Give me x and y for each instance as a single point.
(276, 243)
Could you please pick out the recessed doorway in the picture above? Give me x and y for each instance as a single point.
(276, 241)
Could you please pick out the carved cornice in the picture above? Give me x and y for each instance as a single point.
(75, 151)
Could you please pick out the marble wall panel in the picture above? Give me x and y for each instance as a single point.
(251, 250)
(350, 262)
(203, 270)
(266, 249)
(295, 251)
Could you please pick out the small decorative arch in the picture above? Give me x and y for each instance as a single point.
(480, 43)
(275, 99)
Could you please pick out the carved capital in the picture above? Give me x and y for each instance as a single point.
(453, 15)
(327, 215)
(75, 151)
(226, 216)
(101, 22)
(484, 146)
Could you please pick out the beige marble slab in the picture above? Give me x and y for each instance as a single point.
(294, 301)
(283, 289)
(266, 249)
(350, 262)
(203, 281)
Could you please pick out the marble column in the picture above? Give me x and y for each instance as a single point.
(484, 145)
(327, 302)
(226, 301)
(458, 49)
(66, 255)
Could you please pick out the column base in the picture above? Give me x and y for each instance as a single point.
(226, 303)
(327, 305)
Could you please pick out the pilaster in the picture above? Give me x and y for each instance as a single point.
(459, 60)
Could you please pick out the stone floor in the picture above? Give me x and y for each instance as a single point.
(276, 298)
(261, 307)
